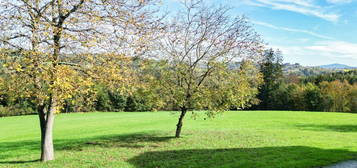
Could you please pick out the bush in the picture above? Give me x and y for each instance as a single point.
(353, 99)
(136, 103)
(313, 98)
(108, 100)
(103, 102)
(117, 101)
(15, 111)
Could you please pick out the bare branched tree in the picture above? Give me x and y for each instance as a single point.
(199, 44)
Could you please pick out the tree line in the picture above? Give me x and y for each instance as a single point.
(330, 92)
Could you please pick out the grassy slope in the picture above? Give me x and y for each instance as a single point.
(143, 140)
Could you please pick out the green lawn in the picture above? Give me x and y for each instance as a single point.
(253, 139)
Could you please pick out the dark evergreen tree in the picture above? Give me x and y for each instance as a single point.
(271, 68)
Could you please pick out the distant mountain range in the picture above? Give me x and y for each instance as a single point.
(297, 69)
(300, 70)
(337, 66)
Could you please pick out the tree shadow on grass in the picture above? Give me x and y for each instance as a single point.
(265, 157)
(19, 162)
(336, 128)
(290, 156)
(137, 140)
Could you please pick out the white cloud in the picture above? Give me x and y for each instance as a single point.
(339, 1)
(322, 52)
(292, 30)
(336, 48)
(306, 7)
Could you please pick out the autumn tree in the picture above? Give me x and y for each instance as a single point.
(54, 49)
(195, 53)
(336, 96)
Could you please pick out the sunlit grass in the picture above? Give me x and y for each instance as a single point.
(144, 140)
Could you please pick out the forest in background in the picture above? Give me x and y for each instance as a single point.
(306, 89)
(285, 87)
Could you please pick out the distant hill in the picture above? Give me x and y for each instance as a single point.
(337, 66)
(349, 75)
(299, 70)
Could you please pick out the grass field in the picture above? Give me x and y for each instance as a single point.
(253, 139)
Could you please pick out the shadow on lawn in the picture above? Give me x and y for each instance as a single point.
(113, 141)
(337, 128)
(267, 157)
(290, 156)
(19, 162)
(138, 140)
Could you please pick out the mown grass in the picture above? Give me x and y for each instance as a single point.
(264, 139)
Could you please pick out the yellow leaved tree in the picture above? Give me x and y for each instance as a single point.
(52, 50)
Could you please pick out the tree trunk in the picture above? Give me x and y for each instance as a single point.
(42, 117)
(180, 122)
(47, 121)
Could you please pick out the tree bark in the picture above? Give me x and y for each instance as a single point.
(180, 122)
(47, 121)
(42, 118)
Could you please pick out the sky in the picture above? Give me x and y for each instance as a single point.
(309, 32)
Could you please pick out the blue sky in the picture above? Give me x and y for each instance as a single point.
(309, 32)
